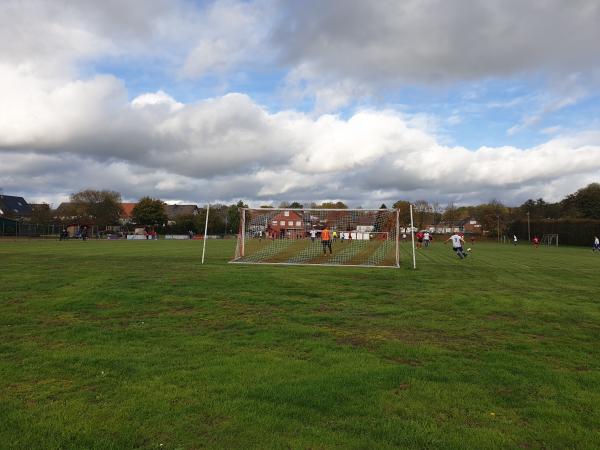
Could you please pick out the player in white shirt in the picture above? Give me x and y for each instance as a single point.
(457, 242)
(596, 244)
(426, 239)
(313, 234)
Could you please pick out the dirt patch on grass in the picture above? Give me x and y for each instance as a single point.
(406, 362)
(182, 311)
(40, 388)
(442, 338)
(355, 340)
(500, 317)
(63, 319)
(323, 307)
(537, 337)
(109, 305)
(251, 311)
(371, 340)
(402, 387)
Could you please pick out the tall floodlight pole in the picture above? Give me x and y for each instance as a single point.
(528, 228)
(412, 236)
(205, 231)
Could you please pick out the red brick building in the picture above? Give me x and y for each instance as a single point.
(288, 224)
(471, 226)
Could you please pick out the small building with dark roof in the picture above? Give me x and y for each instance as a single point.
(14, 207)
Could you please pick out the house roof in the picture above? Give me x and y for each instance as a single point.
(127, 210)
(260, 218)
(64, 207)
(15, 206)
(336, 216)
(291, 216)
(174, 211)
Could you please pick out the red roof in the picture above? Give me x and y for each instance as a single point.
(291, 216)
(127, 209)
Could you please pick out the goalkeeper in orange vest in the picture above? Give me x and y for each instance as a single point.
(326, 240)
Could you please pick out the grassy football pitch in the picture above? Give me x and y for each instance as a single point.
(136, 345)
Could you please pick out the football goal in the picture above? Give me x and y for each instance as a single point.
(337, 237)
(550, 239)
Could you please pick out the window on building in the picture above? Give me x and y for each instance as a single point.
(298, 223)
(282, 223)
(286, 213)
(290, 223)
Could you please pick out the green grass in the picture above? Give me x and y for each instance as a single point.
(135, 344)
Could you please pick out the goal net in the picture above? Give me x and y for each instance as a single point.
(346, 237)
(550, 239)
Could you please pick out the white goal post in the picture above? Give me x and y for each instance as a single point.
(334, 237)
(550, 239)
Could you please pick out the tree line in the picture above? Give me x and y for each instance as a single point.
(103, 208)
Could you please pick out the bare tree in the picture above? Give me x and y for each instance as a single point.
(422, 209)
(103, 207)
(450, 213)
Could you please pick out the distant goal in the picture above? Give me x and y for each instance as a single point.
(550, 239)
(334, 237)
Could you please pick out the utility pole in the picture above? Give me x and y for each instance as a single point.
(498, 217)
(528, 228)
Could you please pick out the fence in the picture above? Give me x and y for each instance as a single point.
(571, 231)
(14, 228)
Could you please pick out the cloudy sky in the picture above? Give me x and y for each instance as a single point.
(271, 100)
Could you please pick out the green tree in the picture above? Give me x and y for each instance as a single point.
(539, 209)
(404, 208)
(492, 216)
(149, 211)
(103, 207)
(296, 205)
(234, 217)
(184, 224)
(216, 222)
(583, 203)
(331, 205)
